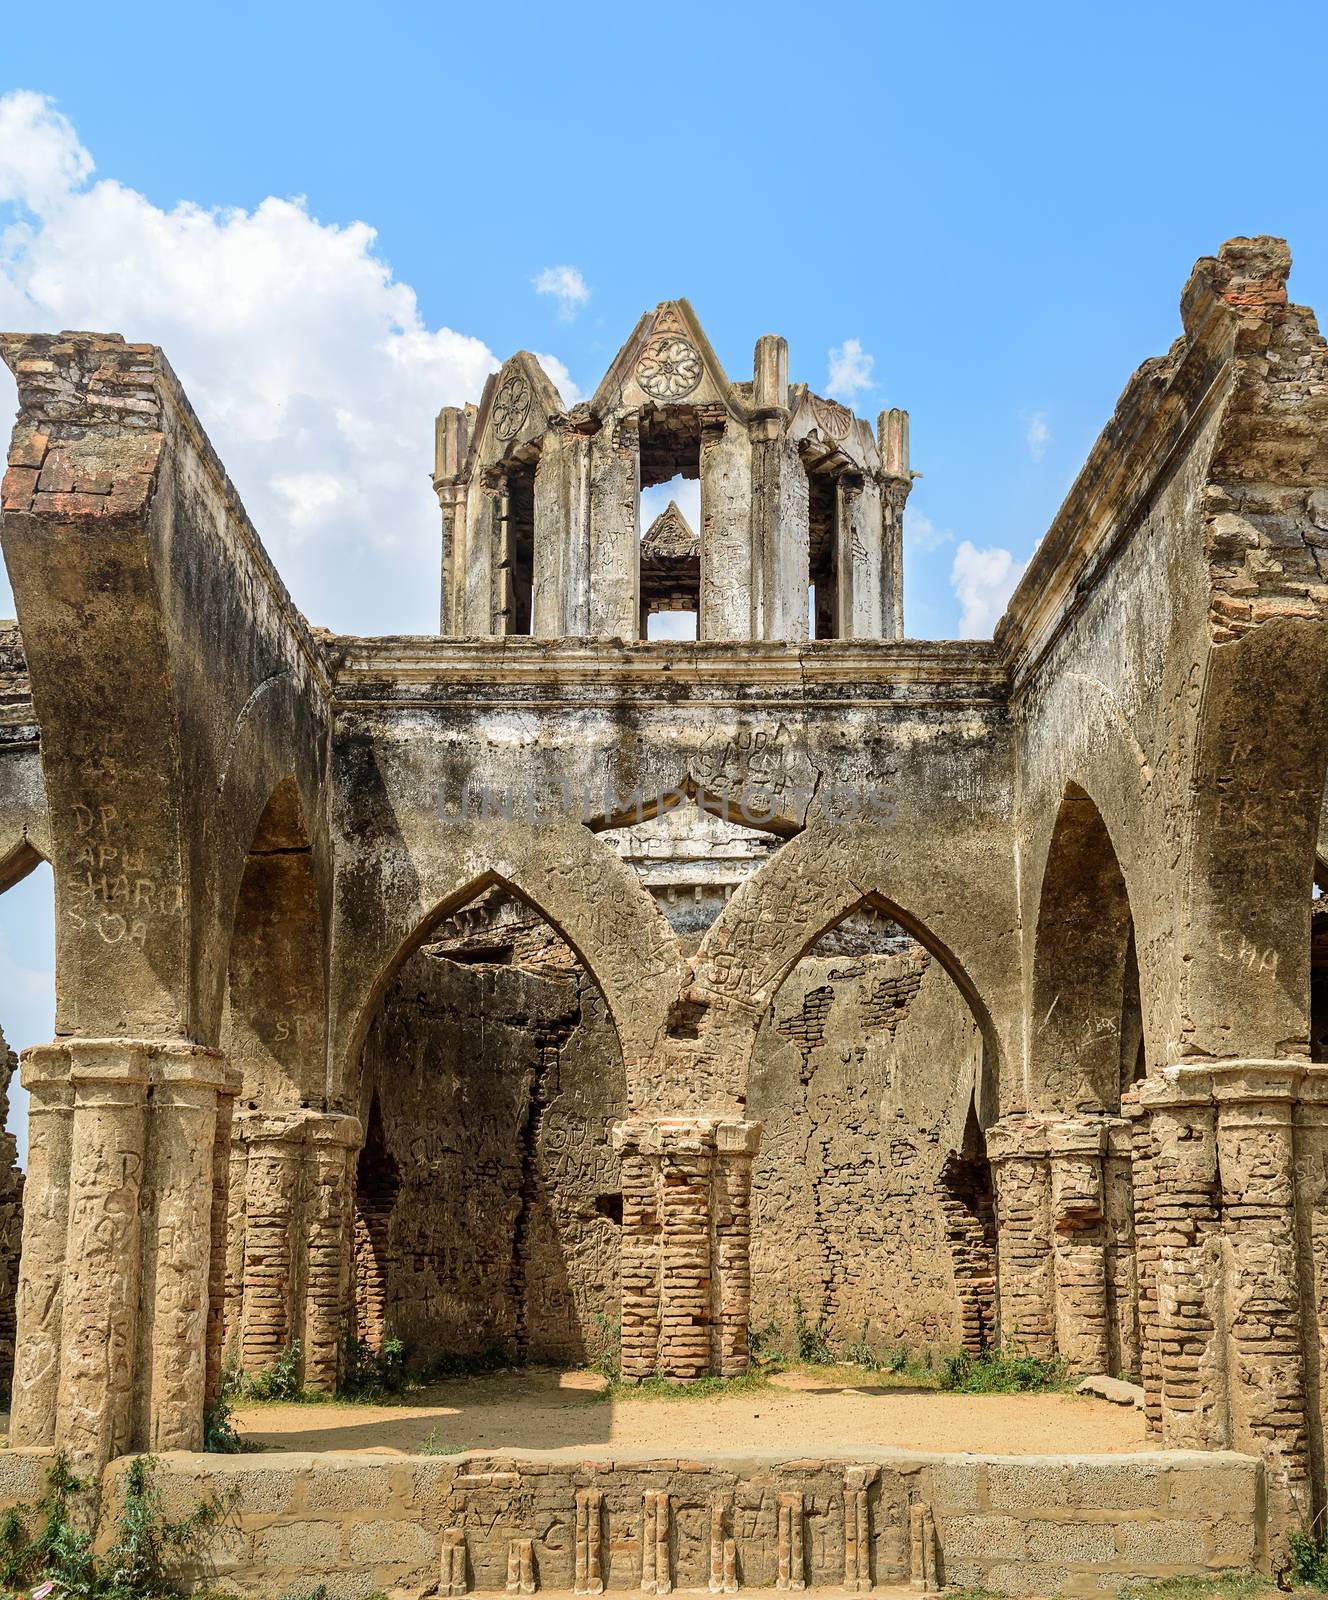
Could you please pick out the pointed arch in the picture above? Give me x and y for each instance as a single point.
(809, 888)
(581, 888)
(274, 1027)
(1085, 1015)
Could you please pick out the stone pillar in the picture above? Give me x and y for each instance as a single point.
(451, 442)
(1076, 1148)
(725, 599)
(859, 555)
(1122, 1247)
(561, 601)
(45, 1075)
(100, 1352)
(1143, 1183)
(615, 533)
(1256, 1163)
(220, 1232)
(781, 536)
(686, 1243)
(1021, 1174)
(1312, 1196)
(895, 483)
(291, 1245)
(1186, 1237)
(333, 1144)
(177, 1247)
(736, 1145)
(271, 1260)
(132, 1123)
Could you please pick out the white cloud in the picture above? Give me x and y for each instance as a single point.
(567, 287)
(309, 363)
(922, 534)
(562, 379)
(983, 580)
(40, 156)
(850, 370)
(1038, 435)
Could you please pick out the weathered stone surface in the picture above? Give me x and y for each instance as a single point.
(319, 1065)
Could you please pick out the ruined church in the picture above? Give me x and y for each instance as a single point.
(545, 989)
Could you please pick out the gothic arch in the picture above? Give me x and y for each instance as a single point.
(1085, 976)
(584, 892)
(275, 1013)
(776, 917)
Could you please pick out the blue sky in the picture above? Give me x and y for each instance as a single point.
(987, 212)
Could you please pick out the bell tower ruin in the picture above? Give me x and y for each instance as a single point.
(541, 529)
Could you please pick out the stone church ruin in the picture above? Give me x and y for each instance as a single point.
(542, 991)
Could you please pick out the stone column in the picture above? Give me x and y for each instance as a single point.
(1256, 1162)
(114, 1294)
(178, 1244)
(736, 1144)
(1121, 1246)
(615, 534)
(103, 1248)
(780, 534)
(1143, 1184)
(725, 601)
(686, 1158)
(686, 1243)
(45, 1075)
(1076, 1147)
(1187, 1252)
(220, 1231)
(1021, 1174)
(1312, 1198)
(561, 601)
(333, 1144)
(274, 1171)
(894, 483)
(639, 1266)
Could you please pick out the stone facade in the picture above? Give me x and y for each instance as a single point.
(275, 1066)
(484, 1523)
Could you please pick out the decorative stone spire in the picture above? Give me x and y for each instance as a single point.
(669, 536)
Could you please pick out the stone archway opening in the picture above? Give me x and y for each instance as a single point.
(287, 1186)
(1067, 1181)
(863, 1077)
(487, 1191)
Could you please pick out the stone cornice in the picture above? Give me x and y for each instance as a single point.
(404, 669)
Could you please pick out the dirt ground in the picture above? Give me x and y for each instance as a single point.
(801, 1413)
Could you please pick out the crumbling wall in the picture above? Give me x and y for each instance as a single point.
(496, 1079)
(490, 1199)
(863, 1077)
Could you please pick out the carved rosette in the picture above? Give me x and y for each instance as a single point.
(511, 405)
(669, 368)
(831, 417)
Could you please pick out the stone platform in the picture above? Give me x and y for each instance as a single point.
(489, 1523)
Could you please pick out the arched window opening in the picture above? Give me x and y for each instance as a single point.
(274, 1031)
(669, 519)
(823, 559)
(486, 1231)
(1086, 1051)
(863, 1077)
(515, 491)
(1086, 1009)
